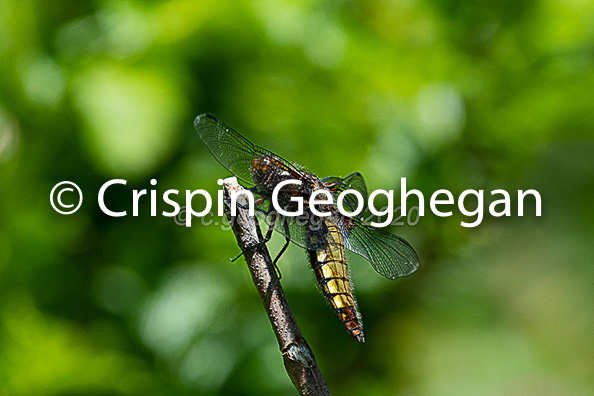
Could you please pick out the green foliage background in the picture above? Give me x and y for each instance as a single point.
(449, 94)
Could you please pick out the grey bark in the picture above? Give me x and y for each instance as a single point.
(298, 358)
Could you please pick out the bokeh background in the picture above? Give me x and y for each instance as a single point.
(448, 93)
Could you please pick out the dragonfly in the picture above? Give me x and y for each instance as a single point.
(325, 238)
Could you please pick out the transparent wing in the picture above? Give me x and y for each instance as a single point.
(354, 181)
(232, 150)
(307, 231)
(390, 255)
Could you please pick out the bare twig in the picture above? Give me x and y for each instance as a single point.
(299, 360)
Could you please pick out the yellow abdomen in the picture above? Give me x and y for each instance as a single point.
(329, 265)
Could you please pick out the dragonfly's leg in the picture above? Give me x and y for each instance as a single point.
(246, 207)
(285, 246)
(278, 273)
(288, 240)
(270, 228)
(237, 257)
(262, 242)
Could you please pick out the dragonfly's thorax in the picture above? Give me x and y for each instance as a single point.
(268, 171)
(264, 169)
